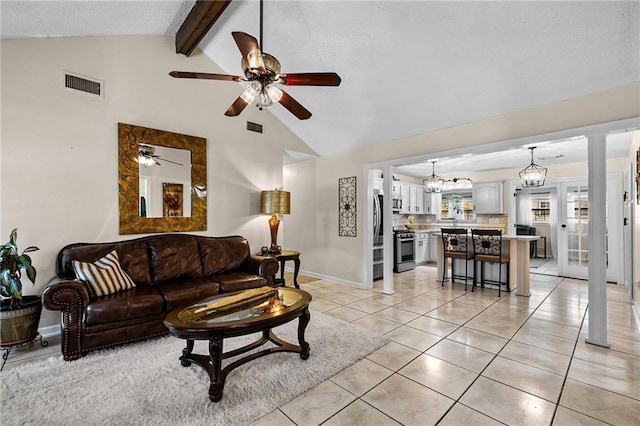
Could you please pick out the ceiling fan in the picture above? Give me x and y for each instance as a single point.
(262, 71)
(147, 156)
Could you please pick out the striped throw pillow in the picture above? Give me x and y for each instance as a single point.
(104, 276)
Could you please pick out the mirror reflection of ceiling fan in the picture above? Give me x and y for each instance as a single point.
(147, 156)
(262, 71)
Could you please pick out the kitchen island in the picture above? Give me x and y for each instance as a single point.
(516, 247)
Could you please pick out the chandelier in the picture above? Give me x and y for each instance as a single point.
(433, 183)
(533, 175)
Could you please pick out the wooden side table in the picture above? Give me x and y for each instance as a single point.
(282, 258)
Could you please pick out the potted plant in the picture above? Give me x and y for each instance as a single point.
(455, 200)
(19, 316)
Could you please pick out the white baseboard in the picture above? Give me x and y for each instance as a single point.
(327, 278)
(50, 331)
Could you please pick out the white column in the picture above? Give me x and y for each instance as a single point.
(367, 271)
(597, 241)
(387, 227)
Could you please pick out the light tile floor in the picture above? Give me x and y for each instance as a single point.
(459, 358)
(547, 266)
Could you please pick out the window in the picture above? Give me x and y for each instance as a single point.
(540, 209)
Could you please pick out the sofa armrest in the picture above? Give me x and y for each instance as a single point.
(263, 266)
(71, 297)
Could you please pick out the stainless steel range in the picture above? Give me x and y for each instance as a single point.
(404, 256)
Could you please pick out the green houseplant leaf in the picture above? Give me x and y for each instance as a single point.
(456, 203)
(12, 263)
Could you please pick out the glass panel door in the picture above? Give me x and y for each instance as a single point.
(573, 256)
(573, 239)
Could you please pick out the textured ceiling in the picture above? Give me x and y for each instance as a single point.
(407, 67)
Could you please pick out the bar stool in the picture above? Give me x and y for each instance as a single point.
(487, 246)
(454, 244)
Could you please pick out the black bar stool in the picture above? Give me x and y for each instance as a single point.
(455, 246)
(487, 246)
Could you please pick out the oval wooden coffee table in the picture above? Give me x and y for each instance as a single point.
(252, 319)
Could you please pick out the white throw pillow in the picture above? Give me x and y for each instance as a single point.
(104, 276)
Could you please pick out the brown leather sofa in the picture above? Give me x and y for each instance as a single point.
(169, 270)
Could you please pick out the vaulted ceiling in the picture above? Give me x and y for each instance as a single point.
(407, 67)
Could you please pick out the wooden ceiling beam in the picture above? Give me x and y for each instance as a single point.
(203, 15)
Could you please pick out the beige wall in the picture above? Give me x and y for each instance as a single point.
(342, 257)
(59, 149)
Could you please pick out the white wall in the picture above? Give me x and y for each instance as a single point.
(342, 257)
(635, 146)
(59, 168)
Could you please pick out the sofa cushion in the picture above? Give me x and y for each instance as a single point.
(133, 255)
(138, 302)
(134, 258)
(234, 281)
(174, 258)
(104, 276)
(222, 254)
(186, 292)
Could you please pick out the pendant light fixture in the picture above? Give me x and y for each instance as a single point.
(533, 175)
(433, 183)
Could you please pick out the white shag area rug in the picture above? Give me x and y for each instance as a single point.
(144, 383)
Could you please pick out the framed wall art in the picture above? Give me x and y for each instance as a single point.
(347, 207)
(172, 199)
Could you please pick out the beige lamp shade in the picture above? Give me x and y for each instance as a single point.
(275, 202)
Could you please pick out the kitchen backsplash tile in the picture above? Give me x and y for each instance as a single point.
(430, 221)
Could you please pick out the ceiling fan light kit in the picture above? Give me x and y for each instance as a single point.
(533, 175)
(147, 157)
(262, 70)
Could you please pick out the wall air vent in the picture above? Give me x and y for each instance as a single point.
(79, 83)
(254, 127)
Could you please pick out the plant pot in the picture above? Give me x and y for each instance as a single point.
(20, 325)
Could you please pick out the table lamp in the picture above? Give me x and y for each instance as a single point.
(274, 202)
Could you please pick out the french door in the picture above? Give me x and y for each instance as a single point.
(573, 241)
(573, 237)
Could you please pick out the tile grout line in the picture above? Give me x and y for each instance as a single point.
(566, 375)
(457, 401)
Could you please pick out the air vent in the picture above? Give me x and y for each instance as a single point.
(82, 84)
(254, 127)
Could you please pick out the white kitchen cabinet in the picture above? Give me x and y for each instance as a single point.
(412, 198)
(432, 203)
(416, 199)
(422, 248)
(488, 197)
(406, 201)
(395, 189)
(433, 247)
(419, 209)
(428, 202)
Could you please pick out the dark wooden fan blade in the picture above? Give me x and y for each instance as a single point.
(311, 79)
(169, 161)
(205, 76)
(236, 107)
(294, 106)
(250, 50)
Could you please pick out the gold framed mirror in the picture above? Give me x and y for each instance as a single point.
(174, 200)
